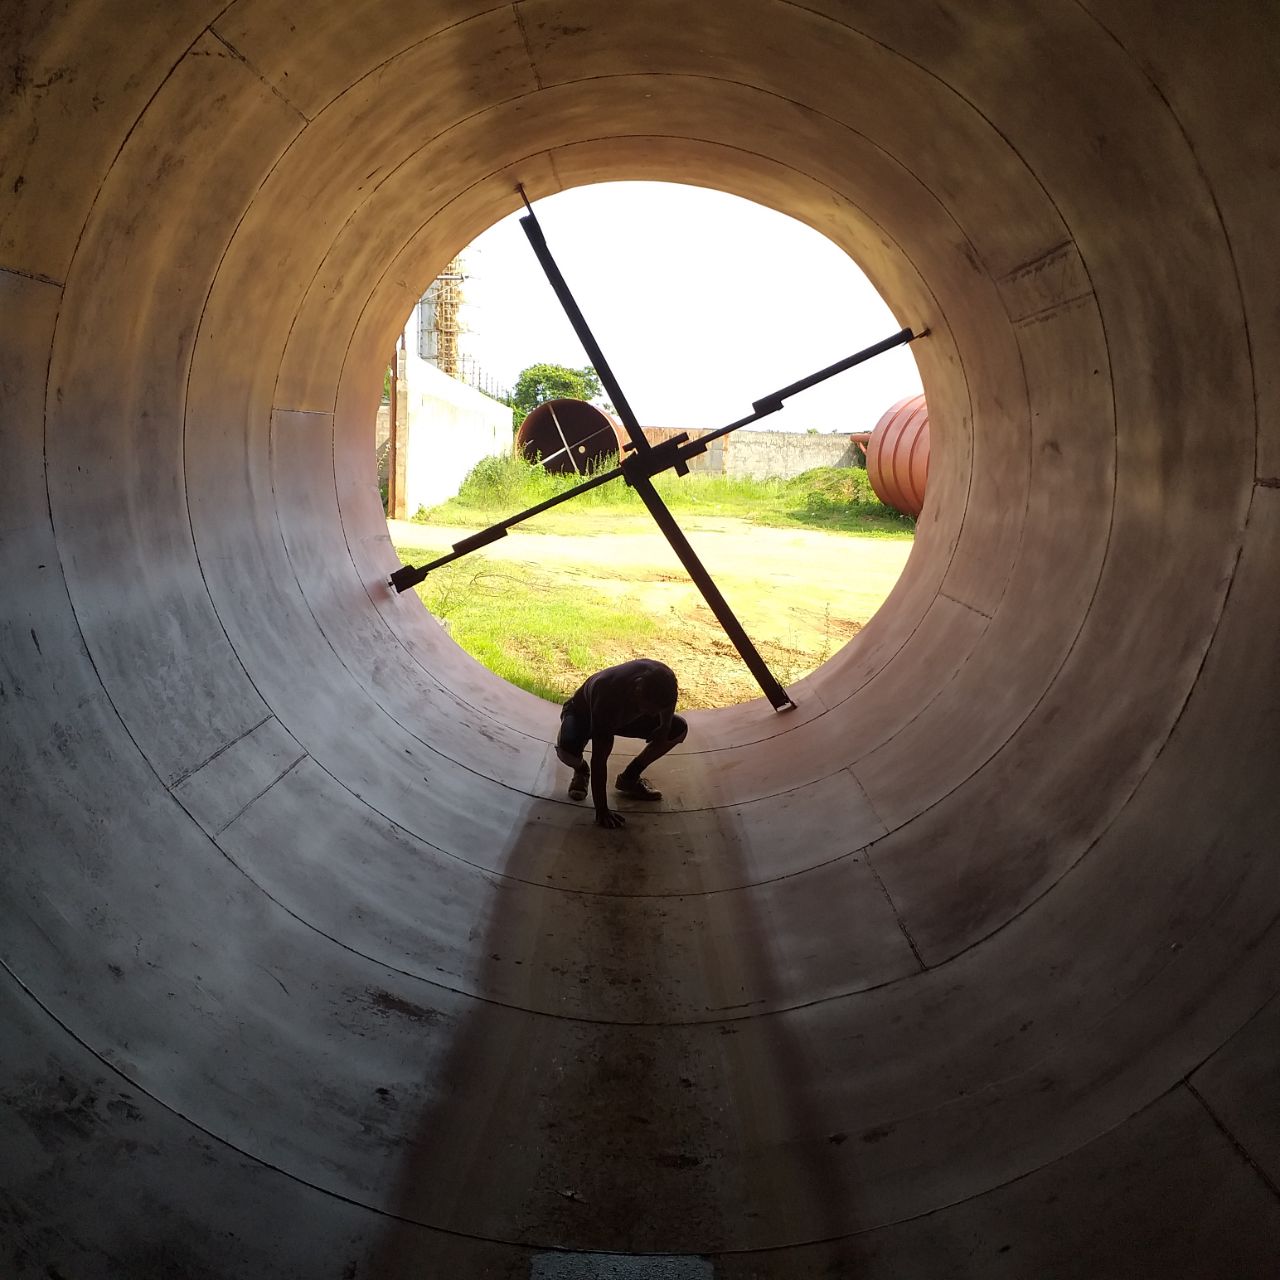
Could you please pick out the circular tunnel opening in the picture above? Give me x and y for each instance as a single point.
(703, 302)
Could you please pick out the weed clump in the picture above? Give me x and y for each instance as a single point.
(842, 497)
(826, 498)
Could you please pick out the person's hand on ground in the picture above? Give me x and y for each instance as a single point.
(609, 819)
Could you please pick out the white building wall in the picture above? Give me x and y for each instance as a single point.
(451, 426)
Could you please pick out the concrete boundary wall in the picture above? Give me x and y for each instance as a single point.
(765, 454)
(783, 454)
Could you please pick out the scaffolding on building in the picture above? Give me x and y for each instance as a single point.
(448, 302)
(440, 330)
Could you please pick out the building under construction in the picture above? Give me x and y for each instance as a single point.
(438, 323)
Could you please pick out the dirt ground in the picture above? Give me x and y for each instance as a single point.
(799, 593)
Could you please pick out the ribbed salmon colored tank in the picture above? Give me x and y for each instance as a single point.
(898, 455)
(966, 967)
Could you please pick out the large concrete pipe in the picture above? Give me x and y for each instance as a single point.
(967, 967)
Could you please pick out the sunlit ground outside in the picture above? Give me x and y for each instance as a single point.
(803, 563)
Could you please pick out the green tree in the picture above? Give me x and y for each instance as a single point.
(542, 382)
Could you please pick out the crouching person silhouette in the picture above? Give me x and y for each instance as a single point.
(632, 700)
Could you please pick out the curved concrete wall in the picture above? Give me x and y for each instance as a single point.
(965, 968)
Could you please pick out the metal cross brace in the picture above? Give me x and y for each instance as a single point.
(659, 458)
(644, 461)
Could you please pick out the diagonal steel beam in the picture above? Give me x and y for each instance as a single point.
(533, 232)
(642, 483)
(697, 571)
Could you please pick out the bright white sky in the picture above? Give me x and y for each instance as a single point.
(702, 303)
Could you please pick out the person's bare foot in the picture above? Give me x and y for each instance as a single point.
(637, 788)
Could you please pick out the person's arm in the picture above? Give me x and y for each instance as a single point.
(601, 746)
(610, 707)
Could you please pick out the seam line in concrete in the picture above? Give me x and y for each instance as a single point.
(226, 746)
(555, 172)
(592, 1264)
(1241, 1150)
(1213, 1053)
(235, 53)
(314, 413)
(897, 915)
(1025, 268)
(1053, 308)
(33, 275)
(866, 795)
(280, 777)
(528, 48)
(1268, 482)
(964, 604)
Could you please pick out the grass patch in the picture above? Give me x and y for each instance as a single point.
(533, 629)
(831, 499)
(542, 630)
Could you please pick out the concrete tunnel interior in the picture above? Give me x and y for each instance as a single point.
(966, 967)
